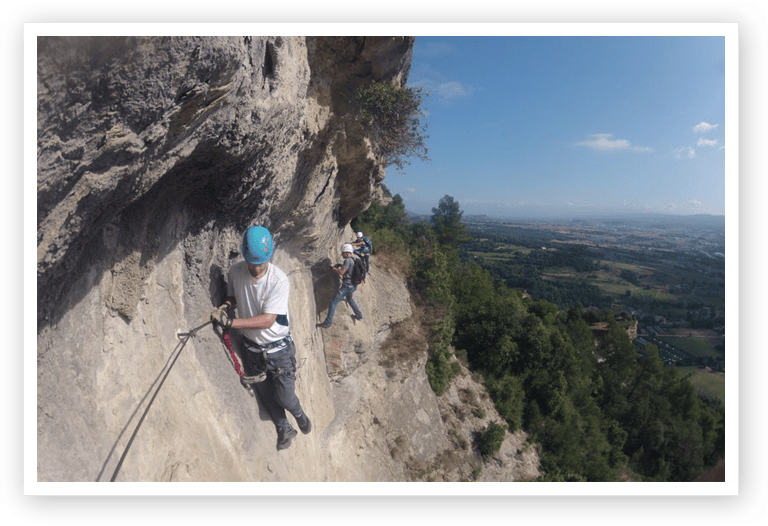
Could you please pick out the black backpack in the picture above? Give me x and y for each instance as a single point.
(358, 272)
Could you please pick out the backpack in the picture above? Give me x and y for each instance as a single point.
(368, 245)
(358, 272)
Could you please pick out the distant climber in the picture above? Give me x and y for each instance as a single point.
(363, 249)
(259, 292)
(352, 273)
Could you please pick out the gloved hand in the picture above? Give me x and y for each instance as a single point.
(222, 317)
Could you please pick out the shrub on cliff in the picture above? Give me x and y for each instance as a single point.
(491, 439)
(439, 368)
(392, 115)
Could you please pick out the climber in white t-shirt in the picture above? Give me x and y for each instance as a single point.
(258, 290)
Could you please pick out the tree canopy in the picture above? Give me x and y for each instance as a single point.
(392, 115)
(446, 220)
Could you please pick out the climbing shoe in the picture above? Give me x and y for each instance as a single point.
(284, 438)
(323, 325)
(304, 424)
(356, 317)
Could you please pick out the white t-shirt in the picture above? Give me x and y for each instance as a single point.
(258, 296)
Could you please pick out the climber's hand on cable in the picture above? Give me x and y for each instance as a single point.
(222, 317)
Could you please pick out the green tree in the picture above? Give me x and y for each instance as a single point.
(509, 398)
(439, 368)
(432, 275)
(446, 220)
(379, 216)
(488, 321)
(392, 116)
(439, 371)
(395, 216)
(491, 439)
(584, 345)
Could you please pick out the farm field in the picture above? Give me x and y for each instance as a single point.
(511, 251)
(706, 381)
(702, 347)
(611, 284)
(655, 286)
(651, 285)
(682, 351)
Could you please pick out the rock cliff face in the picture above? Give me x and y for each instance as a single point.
(154, 154)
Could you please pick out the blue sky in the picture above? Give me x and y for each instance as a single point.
(523, 124)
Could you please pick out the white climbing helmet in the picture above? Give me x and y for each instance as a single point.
(347, 248)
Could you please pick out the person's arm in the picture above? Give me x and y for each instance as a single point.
(339, 269)
(262, 321)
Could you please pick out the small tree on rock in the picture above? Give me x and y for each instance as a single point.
(392, 115)
(491, 439)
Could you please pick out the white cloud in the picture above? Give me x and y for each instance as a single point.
(704, 127)
(605, 142)
(445, 92)
(686, 152)
(453, 90)
(689, 206)
(689, 152)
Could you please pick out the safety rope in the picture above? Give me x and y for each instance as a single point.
(235, 360)
(237, 364)
(185, 338)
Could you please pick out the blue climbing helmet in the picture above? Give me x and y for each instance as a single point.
(257, 245)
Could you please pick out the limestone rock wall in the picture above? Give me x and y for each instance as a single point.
(154, 155)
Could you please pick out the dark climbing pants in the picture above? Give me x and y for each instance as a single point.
(277, 392)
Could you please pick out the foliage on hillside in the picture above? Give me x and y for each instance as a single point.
(392, 115)
(521, 269)
(594, 421)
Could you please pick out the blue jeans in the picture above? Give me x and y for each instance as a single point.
(346, 290)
